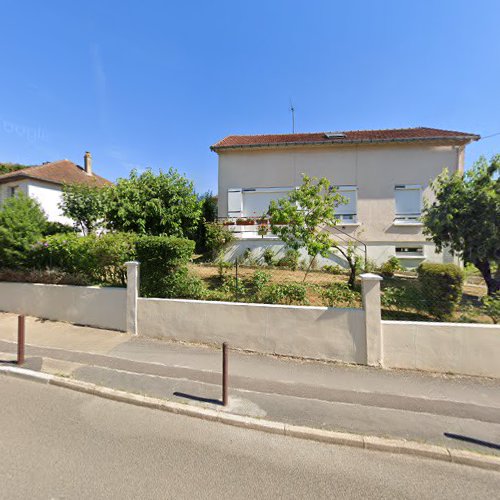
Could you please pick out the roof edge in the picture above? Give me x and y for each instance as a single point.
(461, 138)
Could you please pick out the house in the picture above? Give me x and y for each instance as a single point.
(44, 183)
(384, 175)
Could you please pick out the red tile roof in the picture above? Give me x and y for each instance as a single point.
(348, 137)
(56, 172)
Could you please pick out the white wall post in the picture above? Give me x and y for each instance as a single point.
(370, 289)
(132, 295)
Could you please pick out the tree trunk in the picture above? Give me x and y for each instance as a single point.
(492, 282)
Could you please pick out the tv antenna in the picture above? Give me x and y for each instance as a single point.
(292, 109)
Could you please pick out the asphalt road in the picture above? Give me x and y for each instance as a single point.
(56, 444)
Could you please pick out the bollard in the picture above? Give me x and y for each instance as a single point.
(20, 339)
(224, 374)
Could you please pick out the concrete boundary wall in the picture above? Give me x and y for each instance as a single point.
(312, 332)
(467, 349)
(347, 335)
(82, 305)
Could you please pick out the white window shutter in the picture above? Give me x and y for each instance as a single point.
(408, 200)
(234, 202)
(350, 193)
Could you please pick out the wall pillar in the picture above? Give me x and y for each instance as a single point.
(370, 290)
(132, 295)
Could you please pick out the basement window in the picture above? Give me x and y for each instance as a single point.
(409, 252)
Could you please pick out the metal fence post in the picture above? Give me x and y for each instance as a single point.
(224, 374)
(21, 323)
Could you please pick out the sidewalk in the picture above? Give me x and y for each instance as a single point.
(462, 412)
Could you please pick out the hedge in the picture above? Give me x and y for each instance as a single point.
(163, 267)
(441, 288)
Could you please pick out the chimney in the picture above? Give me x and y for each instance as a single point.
(87, 158)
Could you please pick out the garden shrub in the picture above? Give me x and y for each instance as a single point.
(441, 288)
(22, 223)
(285, 293)
(269, 257)
(339, 294)
(100, 258)
(164, 267)
(290, 259)
(333, 269)
(389, 267)
(491, 307)
(223, 268)
(217, 236)
(259, 281)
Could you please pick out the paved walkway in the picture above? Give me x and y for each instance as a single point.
(453, 411)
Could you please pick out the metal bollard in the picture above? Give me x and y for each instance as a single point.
(20, 339)
(224, 374)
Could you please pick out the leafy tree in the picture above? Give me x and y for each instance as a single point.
(85, 205)
(22, 223)
(163, 204)
(5, 168)
(302, 220)
(465, 217)
(209, 214)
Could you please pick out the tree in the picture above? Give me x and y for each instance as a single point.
(22, 223)
(163, 204)
(205, 224)
(85, 205)
(302, 220)
(5, 168)
(465, 217)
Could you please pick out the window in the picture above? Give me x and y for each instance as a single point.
(408, 202)
(348, 212)
(12, 190)
(413, 251)
(253, 202)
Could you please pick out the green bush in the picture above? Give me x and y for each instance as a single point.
(269, 257)
(22, 223)
(491, 307)
(163, 267)
(217, 236)
(52, 228)
(259, 281)
(337, 294)
(290, 260)
(100, 258)
(389, 267)
(285, 293)
(334, 269)
(441, 288)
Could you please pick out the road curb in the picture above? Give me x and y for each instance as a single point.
(452, 455)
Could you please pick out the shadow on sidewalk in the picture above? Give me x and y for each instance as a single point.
(198, 398)
(471, 440)
(34, 363)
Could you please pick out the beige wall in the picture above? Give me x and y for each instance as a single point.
(467, 349)
(312, 332)
(90, 306)
(374, 169)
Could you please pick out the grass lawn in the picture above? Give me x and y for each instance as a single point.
(317, 280)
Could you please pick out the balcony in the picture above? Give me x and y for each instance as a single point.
(249, 228)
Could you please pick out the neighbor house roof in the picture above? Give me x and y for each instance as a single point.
(56, 172)
(344, 137)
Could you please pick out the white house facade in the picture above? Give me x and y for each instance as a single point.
(384, 175)
(44, 183)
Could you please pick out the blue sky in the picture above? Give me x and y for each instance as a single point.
(154, 84)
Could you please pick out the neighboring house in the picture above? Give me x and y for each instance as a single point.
(44, 183)
(385, 174)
